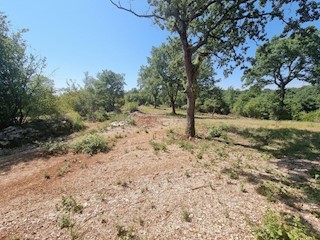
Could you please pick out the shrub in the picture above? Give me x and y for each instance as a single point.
(131, 107)
(217, 131)
(91, 144)
(311, 116)
(276, 226)
(76, 121)
(53, 147)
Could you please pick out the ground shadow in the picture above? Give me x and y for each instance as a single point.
(298, 155)
(284, 142)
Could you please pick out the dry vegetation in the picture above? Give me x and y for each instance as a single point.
(152, 183)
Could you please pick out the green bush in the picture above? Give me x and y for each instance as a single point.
(91, 144)
(311, 116)
(76, 121)
(53, 147)
(276, 226)
(131, 107)
(218, 131)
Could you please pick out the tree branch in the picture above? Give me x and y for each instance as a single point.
(119, 6)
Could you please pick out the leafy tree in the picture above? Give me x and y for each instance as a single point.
(167, 62)
(18, 72)
(230, 97)
(150, 81)
(109, 90)
(283, 60)
(219, 28)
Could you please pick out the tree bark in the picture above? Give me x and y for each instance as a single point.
(173, 106)
(190, 91)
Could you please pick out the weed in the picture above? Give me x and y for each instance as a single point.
(126, 234)
(242, 187)
(158, 146)
(70, 205)
(186, 215)
(74, 234)
(131, 122)
(65, 169)
(65, 221)
(91, 144)
(187, 174)
(46, 175)
(141, 222)
(186, 145)
(269, 190)
(232, 173)
(276, 226)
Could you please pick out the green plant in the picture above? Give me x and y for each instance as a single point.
(282, 227)
(184, 144)
(14, 238)
(91, 144)
(186, 215)
(53, 147)
(158, 146)
(70, 205)
(187, 174)
(126, 234)
(269, 190)
(46, 175)
(217, 131)
(65, 221)
(63, 170)
(131, 107)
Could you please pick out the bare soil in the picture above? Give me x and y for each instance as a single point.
(134, 187)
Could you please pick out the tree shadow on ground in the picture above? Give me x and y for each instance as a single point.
(284, 142)
(298, 159)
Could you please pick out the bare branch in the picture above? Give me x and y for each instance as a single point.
(119, 6)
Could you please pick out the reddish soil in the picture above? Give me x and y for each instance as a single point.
(130, 186)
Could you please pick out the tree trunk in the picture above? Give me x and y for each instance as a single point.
(190, 91)
(173, 106)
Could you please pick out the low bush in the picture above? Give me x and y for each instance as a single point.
(92, 143)
(282, 227)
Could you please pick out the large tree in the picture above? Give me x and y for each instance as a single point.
(221, 29)
(285, 59)
(18, 76)
(167, 62)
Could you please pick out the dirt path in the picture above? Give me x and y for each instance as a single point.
(164, 195)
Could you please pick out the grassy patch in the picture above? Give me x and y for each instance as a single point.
(158, 146)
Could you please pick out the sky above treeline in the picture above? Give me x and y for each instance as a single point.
(76, 36)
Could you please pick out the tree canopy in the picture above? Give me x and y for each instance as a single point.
(285, 59)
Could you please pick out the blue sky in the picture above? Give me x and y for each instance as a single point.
(90, 35)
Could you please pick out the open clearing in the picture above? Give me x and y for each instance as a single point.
(155, 184)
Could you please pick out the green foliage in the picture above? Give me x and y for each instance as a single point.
(21, 94)
(219, 131)
(126, 234)
(186, 215)
(311, 116)
(131, 107)
(283, 60)
(52, 147)
(158, 146)
(281, 227)
(76, 121)
(91, 143)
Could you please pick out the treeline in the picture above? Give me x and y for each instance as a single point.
(300, 103)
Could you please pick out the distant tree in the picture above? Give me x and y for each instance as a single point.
(167, 61)
(230, 96)
(150, 82)
(18, 74)
(283, 60)
(109, 90)
(220, 29)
